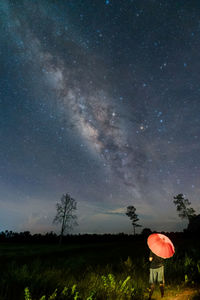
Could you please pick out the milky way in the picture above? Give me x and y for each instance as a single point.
(102, 100)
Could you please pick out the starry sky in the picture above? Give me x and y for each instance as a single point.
(101, 100)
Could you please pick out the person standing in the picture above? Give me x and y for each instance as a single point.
(156, 273)
(161, 247)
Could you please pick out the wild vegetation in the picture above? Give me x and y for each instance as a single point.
(90, 267)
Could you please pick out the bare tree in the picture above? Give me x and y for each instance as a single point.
(182, 206)
(65, 215)
(133, 216)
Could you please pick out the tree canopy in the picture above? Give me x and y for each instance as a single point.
(131, 213)
(65, 215)
(182, 206)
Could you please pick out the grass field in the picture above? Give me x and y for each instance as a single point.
(109, 270)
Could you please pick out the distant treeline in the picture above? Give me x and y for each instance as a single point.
(51, 237)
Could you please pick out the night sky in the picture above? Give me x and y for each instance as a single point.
(101, 100)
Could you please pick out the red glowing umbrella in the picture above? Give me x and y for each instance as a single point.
(161, 245)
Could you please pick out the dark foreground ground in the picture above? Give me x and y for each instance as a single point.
(94, 268)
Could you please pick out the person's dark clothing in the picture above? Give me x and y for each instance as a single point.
(156, 262)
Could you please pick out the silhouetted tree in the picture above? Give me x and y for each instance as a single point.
(182, 206)
(65, 215)
(146, 231)
(194, 225)
(133, 216)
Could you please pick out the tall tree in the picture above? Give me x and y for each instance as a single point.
(131, 213)
(182, 206)
(65, 215)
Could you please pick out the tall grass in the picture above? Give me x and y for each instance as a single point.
(96, 286)
(101, 271)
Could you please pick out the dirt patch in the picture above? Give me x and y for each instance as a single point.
(189, 294)
(186, 294)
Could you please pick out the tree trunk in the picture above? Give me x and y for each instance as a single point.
(63, 224)
(61, 235)
(62, 228)
(60, 239)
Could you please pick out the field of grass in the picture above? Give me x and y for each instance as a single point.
(109, 270)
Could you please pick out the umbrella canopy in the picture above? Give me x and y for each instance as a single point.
(161, 245)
